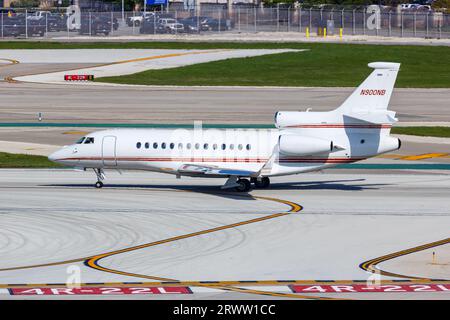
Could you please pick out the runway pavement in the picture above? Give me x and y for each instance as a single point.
(20, 102)
(153, 228)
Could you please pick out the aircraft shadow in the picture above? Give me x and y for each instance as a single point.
(213, 190)
(342, 185)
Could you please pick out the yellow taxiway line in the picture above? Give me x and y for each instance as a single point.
(424, 156)
(371, 265)
(93, 260)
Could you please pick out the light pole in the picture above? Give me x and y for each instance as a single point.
(123, 11)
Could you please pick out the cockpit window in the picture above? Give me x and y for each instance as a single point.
(89, 140)
(80, 141)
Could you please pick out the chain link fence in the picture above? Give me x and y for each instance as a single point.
(218, 19)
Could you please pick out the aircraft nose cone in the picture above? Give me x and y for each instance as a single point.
(53, 157)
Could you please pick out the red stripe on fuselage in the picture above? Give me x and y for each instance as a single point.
(282, 160)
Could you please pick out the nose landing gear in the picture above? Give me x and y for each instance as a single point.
(99, 184)
(100, 176)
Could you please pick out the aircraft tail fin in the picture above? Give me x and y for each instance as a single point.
(373, 95)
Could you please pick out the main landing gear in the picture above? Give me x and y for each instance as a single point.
(244, 185)
(262, 183)
(100, 176)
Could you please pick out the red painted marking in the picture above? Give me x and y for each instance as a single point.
(78, 77)
(100, 291)
(339, 288)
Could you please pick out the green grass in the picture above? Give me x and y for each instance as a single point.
(12, 160)
(443, 132)
(326, 64)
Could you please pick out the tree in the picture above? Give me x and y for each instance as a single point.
(442, 5)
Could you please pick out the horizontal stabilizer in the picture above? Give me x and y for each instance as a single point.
(383, 117)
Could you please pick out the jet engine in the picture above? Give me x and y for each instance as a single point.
(295, 145)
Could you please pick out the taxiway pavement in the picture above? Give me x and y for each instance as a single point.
(20, 102)
(56, 216)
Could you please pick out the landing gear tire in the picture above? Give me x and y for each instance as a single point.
(244, 185)
(261, 184)
(99, 184)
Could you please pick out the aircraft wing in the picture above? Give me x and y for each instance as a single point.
(206, 170)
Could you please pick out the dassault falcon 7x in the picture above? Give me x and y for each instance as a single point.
(302, 142)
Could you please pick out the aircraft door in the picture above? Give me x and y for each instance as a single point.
(109, 151)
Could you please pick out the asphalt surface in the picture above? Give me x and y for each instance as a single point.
(21, 102)
(52, 216)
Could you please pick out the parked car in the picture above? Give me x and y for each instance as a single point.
(424, 8)
(193, 24)
(212, 24)
(107, 18)
(37, 15)
(137, 20)
(56, 22)
(18, 26)
(171, 25)
(93, 25)
(408, 6)
(151, 26)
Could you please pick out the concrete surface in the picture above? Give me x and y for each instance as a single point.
(267, 37)
(20, 102)
(49, 216)
(27, 148)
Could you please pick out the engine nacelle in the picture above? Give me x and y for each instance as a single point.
(286, 119)
(388, 144)
(295, 145)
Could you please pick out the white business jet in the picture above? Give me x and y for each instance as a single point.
(302, 142)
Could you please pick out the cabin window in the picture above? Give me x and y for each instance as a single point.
(188, 146)
(215, 146)
(163, 145)
(172, 145)
(155, 145)
(205, 146)
(138, 145)
(240, 146)
(89, 140)
(80, 140)
(224, 146)
(231, 146)
(197, 146)
(248, 147)
(147, 145)
(180, 146)
(362, 141)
